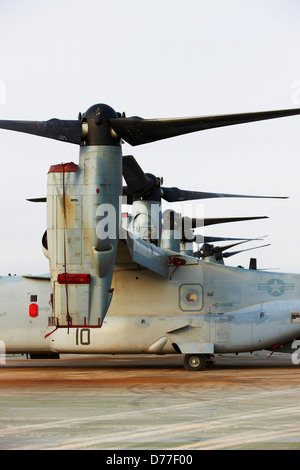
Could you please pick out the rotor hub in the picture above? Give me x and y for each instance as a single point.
(97, 118)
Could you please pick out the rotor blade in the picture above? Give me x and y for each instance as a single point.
(128, 194)
(208, 250)
(227, 255)
(66, 131)
(175, 194)
(220, 249)
(197, 222)
(206, 239)
(137, 181)
(37, 199)
(137, 131)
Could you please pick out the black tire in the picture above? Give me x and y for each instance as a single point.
(194, 362)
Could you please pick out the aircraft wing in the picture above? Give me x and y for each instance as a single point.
(147, 255)
(135, 250)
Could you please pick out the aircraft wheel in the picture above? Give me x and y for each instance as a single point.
(194, 361)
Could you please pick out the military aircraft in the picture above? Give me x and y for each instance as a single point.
(123, 283)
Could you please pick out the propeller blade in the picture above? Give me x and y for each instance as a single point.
(197, 222)
(137, 181)
(37, 199)
(206, 239)
(134, 130)
(140, 184)
(138, 131)
(209, 250)
(175, 194)
(128, 194)
(227, 255)
(66, 131)
(189, 223)
(220, 249)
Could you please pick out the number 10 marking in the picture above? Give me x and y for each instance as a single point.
(83, 336)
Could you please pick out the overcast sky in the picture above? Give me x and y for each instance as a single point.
(164, 58)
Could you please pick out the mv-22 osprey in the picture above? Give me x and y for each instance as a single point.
(132, 285)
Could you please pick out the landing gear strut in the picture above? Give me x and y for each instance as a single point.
(194, 361)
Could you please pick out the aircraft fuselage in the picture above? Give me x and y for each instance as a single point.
(203, 308)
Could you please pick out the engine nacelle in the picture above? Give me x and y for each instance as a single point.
(81, 259)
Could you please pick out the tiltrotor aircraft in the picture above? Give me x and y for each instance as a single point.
(124, 283)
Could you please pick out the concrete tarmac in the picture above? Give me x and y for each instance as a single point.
(250, 401)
